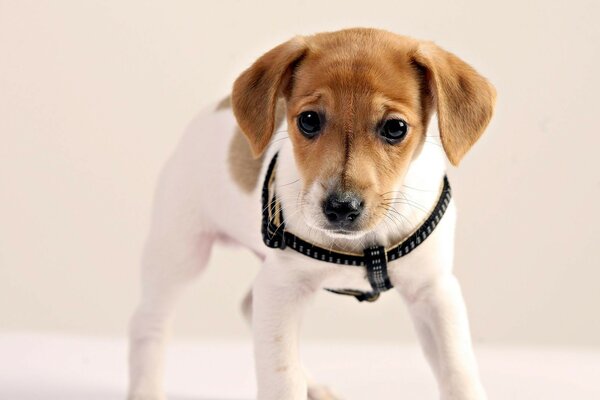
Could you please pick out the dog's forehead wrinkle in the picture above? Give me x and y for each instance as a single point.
(312, 95)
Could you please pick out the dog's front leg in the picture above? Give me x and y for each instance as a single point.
(280, 293)
(440, 317)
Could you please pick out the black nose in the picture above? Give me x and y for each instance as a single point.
(342, 208)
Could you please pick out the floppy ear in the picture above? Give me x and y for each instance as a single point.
(464, 99)
(256, 91)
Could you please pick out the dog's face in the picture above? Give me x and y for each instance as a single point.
(358, 103)
(356, 117)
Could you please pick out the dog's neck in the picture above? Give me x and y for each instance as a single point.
(415, 198)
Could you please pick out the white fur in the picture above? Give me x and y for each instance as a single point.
(197, 203)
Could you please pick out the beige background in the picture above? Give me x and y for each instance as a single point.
(94, 96)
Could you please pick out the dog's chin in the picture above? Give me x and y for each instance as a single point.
(321, 226)
(337, 233)
(343, 234)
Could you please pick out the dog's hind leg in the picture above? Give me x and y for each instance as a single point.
(176, 251)
(169, 264)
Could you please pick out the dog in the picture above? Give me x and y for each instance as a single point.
(330, 134)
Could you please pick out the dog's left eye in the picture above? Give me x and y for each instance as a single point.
(394, 130)
(309, 123)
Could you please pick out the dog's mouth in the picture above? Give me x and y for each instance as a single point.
(346, 234)
(340, 233)
(349, 231)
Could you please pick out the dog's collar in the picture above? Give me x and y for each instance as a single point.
(374, 258)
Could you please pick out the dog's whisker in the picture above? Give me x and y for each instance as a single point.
(362, 242)
(272, 142)
(391, 191)
(418, 189)
(279, 139)
(332, 244)
(393, 212)
(273, 201)
(406, 202)
(284, 221)
(290, 183)
(394, 219)
(405, 198)
(394, 222)
(387, 226)
(403, 203)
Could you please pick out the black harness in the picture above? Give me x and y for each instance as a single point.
(374, 259)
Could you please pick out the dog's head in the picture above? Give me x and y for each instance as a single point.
(358, 104)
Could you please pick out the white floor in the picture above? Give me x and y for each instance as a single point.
(39, 367)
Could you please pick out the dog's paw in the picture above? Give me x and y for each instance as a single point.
(466, 391)
(320, 392)
(146, 397)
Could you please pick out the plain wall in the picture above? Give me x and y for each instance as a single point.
(94, 96)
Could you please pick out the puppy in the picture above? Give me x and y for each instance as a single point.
(329, 133)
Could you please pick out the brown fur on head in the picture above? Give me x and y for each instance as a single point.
(356, 79)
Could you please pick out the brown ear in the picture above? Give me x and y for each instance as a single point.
(465, 100)
(256, 91)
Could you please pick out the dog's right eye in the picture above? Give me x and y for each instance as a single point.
(394, 130)
(309, 123)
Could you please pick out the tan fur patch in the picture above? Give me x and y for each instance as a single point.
(243, 167)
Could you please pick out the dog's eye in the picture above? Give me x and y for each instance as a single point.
(309, 123)
(394, 130)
